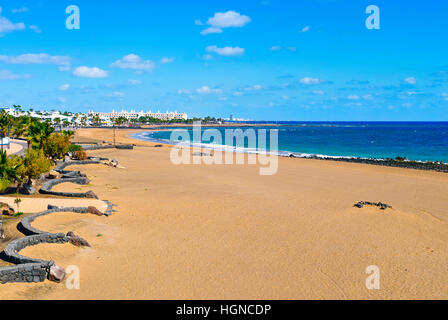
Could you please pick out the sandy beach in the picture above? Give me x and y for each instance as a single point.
(225, 232)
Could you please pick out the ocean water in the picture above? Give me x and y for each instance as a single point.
(421, 141)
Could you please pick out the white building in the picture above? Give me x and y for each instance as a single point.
(108, 116)
(44, 115)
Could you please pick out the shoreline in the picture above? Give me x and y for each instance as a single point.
(407, 164)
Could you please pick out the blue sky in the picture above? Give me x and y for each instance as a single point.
(260, 60)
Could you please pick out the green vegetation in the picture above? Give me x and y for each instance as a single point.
(17, 201)
(45, 147)
(30, 166)
(56, 146)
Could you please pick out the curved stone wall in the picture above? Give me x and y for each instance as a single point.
(29, 272)
(25, 225)
(49, 184)
(32, 269)
(76, 177)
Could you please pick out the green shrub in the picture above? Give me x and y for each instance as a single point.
(80, 155)
(4, 184)
(74, 147)
(32, 165)
(56, 146)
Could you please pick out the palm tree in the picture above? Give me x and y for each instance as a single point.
(7, 172)
(96, 120)
(75, 117)
(84, 121)
(5, 124)
(39, 132)
(57, 122)
(20, 126)
(68, 133)
(18, 109)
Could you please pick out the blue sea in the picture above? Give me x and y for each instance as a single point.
(420, 141)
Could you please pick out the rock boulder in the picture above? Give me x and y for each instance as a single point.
(91, 195)
(56, 273)
(77, 241)
(53, 174)
(6, 209)
(95, 211)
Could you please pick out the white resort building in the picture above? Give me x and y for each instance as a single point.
(107, 116)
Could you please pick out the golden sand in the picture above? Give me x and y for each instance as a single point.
(225, 232)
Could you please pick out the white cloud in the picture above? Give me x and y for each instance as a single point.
(309, 80)
(226, 51)
(35, 29)
(6, 75)
(87, 72)
(305, 29)
(8, 26)
(228, 19)
(62, 99)
(353, 97)
(207, 90)
(204, 90)
(319, 92)
(211, 30)
(166, 60)
(183, 91)
(221, 20)
(41, 58)
(410, 80)
(133, 61)
(134, 82)
(64, 87)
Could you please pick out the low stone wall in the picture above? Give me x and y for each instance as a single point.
(29, 272)
(49, 184)
(32, 269)
(102, 147)
(36, 270)
(76, 177)
(10, 253)
(25, 225)
(60, 167)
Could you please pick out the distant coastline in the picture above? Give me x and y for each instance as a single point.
(398, 160)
